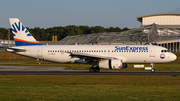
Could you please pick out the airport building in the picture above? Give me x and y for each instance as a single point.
(166, 19)
(162, 29)
(168, 27)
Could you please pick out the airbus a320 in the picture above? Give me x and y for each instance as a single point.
(99, 56)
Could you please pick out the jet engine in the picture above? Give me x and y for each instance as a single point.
(112, 64)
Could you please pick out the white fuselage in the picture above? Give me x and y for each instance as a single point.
(127, 53)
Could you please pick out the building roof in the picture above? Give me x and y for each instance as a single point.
(168, 41)
(139, 18)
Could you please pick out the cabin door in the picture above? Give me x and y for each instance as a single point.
(152, 51)
(39, 53)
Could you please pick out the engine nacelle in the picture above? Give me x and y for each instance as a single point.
(111, 64)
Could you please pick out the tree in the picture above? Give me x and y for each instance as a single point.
(125, 29)
(85, 29)
(111, 29)
(97, 29)
(3, 33)
(72, 30)
(38, 33)
(59, 32)
(42, 34)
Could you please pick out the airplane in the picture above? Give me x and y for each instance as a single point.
(99, 56)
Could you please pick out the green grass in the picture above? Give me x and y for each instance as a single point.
(88, 87)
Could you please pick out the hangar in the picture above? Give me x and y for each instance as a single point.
(166, 19)
(171, 28)
(162, 29)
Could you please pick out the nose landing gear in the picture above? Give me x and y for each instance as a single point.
(152, 68)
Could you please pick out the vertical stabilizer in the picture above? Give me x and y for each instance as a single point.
(22, 36)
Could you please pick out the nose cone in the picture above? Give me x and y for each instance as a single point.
(173, 57)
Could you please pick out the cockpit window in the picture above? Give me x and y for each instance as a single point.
(164, 50)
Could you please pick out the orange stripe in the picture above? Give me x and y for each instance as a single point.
(25, 41)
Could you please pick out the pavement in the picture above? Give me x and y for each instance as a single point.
(50, 70)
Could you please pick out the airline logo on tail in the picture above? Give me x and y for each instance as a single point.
(22, 36)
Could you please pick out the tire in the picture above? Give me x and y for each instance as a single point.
(152, 70)
(91, 69)
(97, 69)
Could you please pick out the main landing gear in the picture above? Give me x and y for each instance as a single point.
(92, 69)
(152, 68)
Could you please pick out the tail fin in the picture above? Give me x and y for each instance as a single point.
(22, 36)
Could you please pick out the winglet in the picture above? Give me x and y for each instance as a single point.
(22, 36)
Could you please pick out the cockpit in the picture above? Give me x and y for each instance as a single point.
(163, 51)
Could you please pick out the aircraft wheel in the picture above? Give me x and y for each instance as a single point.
(97, 69)
(91, 69)
(152, 70)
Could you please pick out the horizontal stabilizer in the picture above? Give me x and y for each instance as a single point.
(15, 49)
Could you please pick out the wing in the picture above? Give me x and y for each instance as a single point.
(89, 57)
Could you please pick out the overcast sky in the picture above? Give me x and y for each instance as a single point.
(106, 13)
